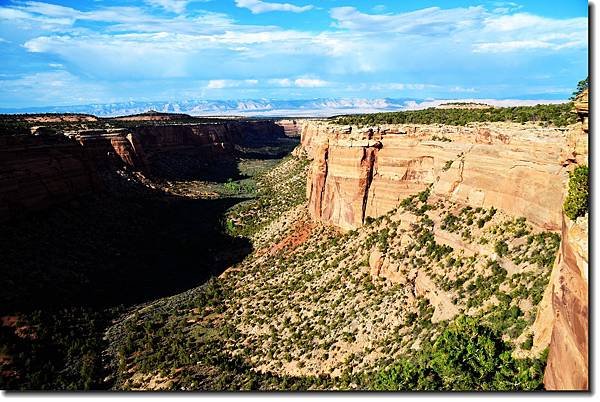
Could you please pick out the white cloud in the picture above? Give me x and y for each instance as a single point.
(50, 88)
(398, 86)
(281, 82)
(174, 6)
(442, 45)
(526, 32)
(258, 6)
(301, 82)
(310, 83)
(428, 21)
(221, 84)
(511, 46)
(458, 88)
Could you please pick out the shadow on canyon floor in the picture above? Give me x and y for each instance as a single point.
(194, 165)
(105, 250)
(70, 271)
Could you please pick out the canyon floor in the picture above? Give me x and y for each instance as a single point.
(70, 270)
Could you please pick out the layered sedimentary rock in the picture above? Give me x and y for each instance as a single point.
(562, 321)
(562, 324)
(106, 147)
(361, 172)
(36, 172)
(520, 169)
(42, 170)
(292, 128)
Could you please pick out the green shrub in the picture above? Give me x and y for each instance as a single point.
(501, 248)
(576, 204)
(467, 356)
(559, 115)
(528, 343)
(447, 165)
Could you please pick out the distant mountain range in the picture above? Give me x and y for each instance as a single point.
(321, 107)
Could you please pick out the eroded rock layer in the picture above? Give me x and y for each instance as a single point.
(36, 172)
(292, 128)
(562, 321)
(39, 171)
(365, 172)
(520, 169)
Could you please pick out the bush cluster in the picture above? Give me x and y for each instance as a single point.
(558, 115)
(576, 203)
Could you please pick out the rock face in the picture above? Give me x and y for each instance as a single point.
(39, 171)
(562, 321)
(565, 322)
(362, 172)
(519, 169)
(292, 128)
(36, 172)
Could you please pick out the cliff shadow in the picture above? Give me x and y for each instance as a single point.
(272, 150)
(193, 165)
(104, 250)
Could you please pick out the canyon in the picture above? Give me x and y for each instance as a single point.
(248, 268)
(38, 171)
(363, 172)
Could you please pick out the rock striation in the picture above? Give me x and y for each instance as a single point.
(361, 172)
(37, 171)
(522, 170)
(562, 321)
(292, 128)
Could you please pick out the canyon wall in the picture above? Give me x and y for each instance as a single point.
(520, 169)
(562, 323)
(291, 127)
(366, 171)
(37, 171)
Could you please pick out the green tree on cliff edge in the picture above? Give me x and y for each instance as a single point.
(581, 86)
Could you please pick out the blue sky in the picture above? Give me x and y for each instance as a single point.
(80, 52)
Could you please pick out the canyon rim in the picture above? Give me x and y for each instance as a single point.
(280, 196)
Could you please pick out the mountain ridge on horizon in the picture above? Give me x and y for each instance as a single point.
(317, 107)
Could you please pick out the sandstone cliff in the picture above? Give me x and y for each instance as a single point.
(522, 170)
(36, 172)
(39, 171)
(362, 172)
(562, 321)
(292, 128)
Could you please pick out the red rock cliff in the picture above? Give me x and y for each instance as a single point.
(520, 169)
(37, 172)
(562, 321)
(360, 172)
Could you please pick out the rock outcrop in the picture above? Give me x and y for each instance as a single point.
(37, 171)
(520, 169)
(362, 172)
(292, 128)
(562, 321)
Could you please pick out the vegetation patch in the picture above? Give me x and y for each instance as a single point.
(558, 115)
(576, 203)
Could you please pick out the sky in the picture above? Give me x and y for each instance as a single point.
(65, 52)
